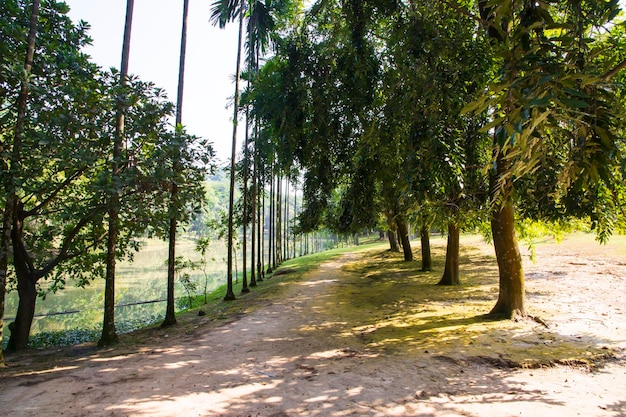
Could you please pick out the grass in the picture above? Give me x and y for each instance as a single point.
(391, 306)
(142, 280)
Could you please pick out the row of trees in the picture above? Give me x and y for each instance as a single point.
(451, 113)
(91, 160)
(384, 113)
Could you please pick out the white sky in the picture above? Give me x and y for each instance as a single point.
(155, 48)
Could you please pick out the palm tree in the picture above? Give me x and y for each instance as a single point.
(109, 334)
(170, 314)
(222, 12)
(9, 183)
(261, 23)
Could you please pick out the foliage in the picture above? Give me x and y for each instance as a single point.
(63, 175)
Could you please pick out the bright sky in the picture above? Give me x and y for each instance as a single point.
(155, 48)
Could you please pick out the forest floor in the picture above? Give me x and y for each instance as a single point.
(363, 335)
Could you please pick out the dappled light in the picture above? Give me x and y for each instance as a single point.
(349, 342)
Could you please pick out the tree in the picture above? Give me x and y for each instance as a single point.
(550, 78)
(109, 334)
(170, 315)
(222, 12)
(9, 171)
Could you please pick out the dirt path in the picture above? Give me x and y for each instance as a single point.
(288, 359)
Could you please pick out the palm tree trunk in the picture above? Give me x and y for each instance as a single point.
(244, 287)
(230, 295)
(253, 206)
(270, 237)
(109, 334)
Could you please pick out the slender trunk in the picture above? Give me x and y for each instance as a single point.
(109, 334)
(13, 170)
(230, 295)
(262, 232)
(451, 271)
(278, 224)
(286, 222)
(244, 286)
(270, 238)
(170, 313)
(403, 232)
(253, 207)
(427, 263)
(295, 213)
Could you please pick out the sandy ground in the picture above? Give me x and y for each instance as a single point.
(287, 359)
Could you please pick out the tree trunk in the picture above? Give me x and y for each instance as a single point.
(253, 212)
(261, 231)
(391, 234)
(271, 234)
(26, 286)
(20, 328)
(511, 288)
(230, 295)
(278, 250)
(451, 271)
(170, 311)
(427, 263)
(109, 334)
(510, 302)
(393, 241)
(403, 232)
(244, 215)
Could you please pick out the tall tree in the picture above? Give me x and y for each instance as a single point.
(551, 78)
(12, 169)
(170, 314)
(109, 333)
(222, 12)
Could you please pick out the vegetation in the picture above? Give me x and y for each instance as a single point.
(455, 115)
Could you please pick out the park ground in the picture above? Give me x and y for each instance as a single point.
(364, 334)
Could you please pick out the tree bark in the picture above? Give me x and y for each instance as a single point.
(451, 271)
(393, 241)
(391, 234)
(26, 286)
(170, 310)
(510, 302)
(403, 233)
(427, 263)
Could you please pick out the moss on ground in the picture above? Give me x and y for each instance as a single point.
(393, 307)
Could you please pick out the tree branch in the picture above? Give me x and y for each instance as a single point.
(54, 193)
(611, 73)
